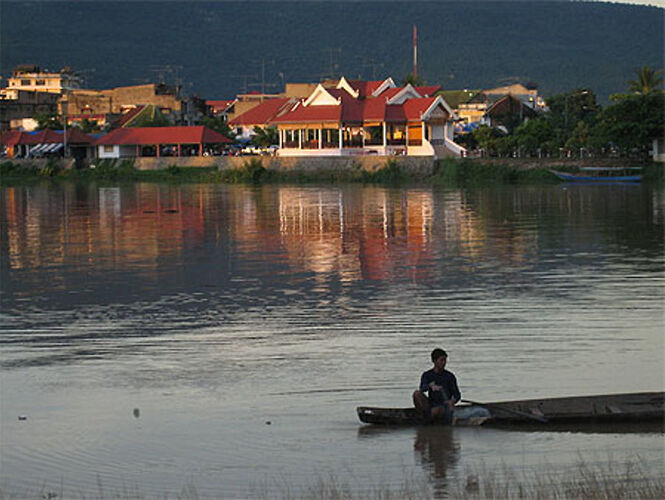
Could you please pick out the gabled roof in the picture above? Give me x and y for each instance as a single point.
(162, 135)
(510, 104)
(365, 88)
(404, 93)
(415, 108)
(263, 113)
(126, 118)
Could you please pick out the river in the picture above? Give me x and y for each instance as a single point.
(214, 341)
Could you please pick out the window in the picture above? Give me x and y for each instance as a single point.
(108, 149)
(40, 82)
(26, 83)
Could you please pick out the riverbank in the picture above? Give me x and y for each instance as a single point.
(607, 481)
(447, 172)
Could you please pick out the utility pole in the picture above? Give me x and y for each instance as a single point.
(331, 64)
(245, 77)
(415, 52)
(374, 66)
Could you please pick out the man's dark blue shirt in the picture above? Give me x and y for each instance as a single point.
(446, 380)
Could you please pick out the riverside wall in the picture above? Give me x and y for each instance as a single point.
(417, 165)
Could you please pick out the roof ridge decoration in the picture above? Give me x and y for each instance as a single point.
(344, 84)
(388, 83)
(407, 92)
(321, 97)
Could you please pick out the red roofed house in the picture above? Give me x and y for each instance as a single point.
(46, 142)
(159, 141)
(356, 118)
(259, 116)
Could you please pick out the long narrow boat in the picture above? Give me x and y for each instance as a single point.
(601, 174)
(610, 408)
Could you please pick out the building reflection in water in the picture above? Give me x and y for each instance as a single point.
(341, 234)
(438, 451)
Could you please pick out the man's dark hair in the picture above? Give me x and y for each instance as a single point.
(437, 353)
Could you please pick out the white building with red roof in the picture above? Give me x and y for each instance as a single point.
(357, 118)
(159, 141)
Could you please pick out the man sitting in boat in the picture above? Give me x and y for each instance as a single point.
(438, 393)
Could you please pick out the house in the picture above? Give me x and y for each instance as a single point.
(160, 141)
(72, 142)
(361, 117)
(508, 112)
(31, 78)
(221, 107)
(260, 115)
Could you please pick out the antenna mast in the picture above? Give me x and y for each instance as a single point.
(415, 51)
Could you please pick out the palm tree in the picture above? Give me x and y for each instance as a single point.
(648, 80)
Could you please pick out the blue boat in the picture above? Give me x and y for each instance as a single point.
(601, 174)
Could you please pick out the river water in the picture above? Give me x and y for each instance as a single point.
(214, 341)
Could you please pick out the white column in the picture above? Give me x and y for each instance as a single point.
(299, 138)
(281, 133)
(321, 138)
(341, 137)
(384, 136)
(423, 132)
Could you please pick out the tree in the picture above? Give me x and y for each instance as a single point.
(414, 80)
(631, 123)
(265, 137)
(648, 80)
(533, 134)
(89, 126)
(48, 120)
(218, 124)
(570, 107)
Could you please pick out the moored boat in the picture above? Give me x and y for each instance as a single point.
(609, 408)
(601, 174)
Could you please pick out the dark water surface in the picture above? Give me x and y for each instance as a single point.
(158, 338)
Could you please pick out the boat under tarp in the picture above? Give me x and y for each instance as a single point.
(635, 407)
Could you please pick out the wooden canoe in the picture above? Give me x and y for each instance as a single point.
(600, 175)
(632, 407)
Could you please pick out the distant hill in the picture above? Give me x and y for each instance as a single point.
(219, 49)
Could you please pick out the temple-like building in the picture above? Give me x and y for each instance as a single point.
(359, 118)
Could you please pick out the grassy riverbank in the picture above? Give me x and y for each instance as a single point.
(448, 172)
(607, 480)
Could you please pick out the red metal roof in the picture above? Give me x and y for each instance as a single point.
(162, 135)
(310, 114)
(365, 88)
(263, 113)
(11, 137)
(46, 136)
(428, 91)
(414, 108)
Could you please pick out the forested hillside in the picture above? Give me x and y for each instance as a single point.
(218, 49)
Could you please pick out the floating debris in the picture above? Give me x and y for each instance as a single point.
(137, 413)
(22, 417)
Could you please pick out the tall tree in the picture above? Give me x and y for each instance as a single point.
(648, 80)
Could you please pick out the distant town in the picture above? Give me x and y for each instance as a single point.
(49, 114)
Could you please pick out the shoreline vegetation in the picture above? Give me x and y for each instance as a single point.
(450, 172)
(606, 480)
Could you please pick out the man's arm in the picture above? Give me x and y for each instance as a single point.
(455, 394)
